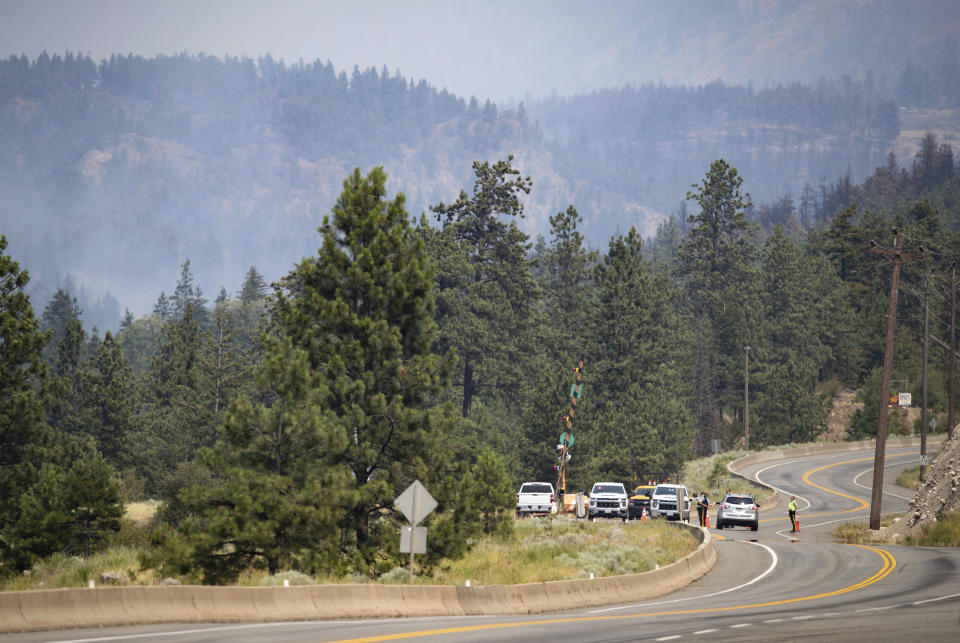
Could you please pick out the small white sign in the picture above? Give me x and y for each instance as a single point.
(903, 399)
(419, 537)
(925, 460)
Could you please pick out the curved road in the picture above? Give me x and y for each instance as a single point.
(767, 585)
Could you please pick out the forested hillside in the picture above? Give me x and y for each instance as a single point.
(114, 172)
(278, 427)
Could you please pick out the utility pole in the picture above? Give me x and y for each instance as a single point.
(923, 376)
(746, 398)
(953, 346)
(897, 257)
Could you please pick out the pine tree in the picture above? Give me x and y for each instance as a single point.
(485, 307)
(636, 348)
(60, 311)
(254, 287)
(162, 308)
(363, 310)
(187, 294)
(72, 508)
(64, 410)
(175, 421)
(108, 402)
(23, 433)
(717, 266)
(280, 495)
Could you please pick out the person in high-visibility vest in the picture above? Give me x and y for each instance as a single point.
(792, 510)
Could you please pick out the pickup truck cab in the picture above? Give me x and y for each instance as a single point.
(535, 498)
(608, 499)
(640, 500)
(663, 502)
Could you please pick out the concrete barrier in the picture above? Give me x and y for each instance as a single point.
(111, 606)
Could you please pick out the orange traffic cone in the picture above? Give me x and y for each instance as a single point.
(796, 522)
(706, 519)
(643, 516)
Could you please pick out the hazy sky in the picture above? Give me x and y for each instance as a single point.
(491, 49)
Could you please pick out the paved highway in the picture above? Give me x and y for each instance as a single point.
(767, 585)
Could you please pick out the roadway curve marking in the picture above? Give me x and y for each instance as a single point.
(861, 504)
(889, 563)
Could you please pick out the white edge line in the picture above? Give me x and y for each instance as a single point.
(878, 609)
(939, 598)
(886, 493)
(756, 477)
(200, 630)
(773, 565)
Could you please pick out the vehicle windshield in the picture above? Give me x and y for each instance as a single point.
(607, 488)
(667, 491)
(536, 488)
(642, 491)
(738, 500)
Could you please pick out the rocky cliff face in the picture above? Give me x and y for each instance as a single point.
(939, 494)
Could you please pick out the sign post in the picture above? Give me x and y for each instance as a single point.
(415, 503)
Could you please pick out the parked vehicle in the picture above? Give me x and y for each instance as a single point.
(639, 500)
(663, 502)
(535, 498)
(738, 509)
(608, 499)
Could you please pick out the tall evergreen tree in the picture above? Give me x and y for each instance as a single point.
(188, 294)
(280, 495)
(59, 312)
(109, 402)
(717, 266)
(23, 433)
(485, 309)
(363, 311)
(175, 421)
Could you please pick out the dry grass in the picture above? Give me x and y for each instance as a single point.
(859, 533)
(541, 549)
(562, 548)
(942, 533)
(141, 512)
(909, 478)
(710, 474)
(61, 570)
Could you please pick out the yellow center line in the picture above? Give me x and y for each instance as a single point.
(861, 504)
(889, 562)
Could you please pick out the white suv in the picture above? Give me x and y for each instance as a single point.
(663, 502)
(608, 499)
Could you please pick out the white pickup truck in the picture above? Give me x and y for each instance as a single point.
(670, 501)
(608, 499)
(535, 498)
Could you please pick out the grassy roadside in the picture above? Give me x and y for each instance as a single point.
(943, 533)
(711, 474)
(909, 478)
(541, 549)
(563, 548)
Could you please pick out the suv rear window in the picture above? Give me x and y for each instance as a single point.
(536, 488)
(738, 500)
